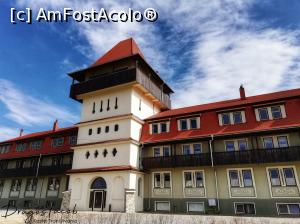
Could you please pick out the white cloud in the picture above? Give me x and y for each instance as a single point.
(28, 111)
(217, 41)
(8, 133)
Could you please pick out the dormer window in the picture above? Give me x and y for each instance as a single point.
(230, 118)
(270, 113)
(161, 127)
(188, 123)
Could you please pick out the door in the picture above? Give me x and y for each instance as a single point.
(98, 199)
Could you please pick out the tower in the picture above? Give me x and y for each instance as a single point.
(117, 92)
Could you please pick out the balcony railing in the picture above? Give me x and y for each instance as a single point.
(254, 156)
(177, 161)
(258, 156)
(32, 171)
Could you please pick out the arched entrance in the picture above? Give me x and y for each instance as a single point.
(98, 194)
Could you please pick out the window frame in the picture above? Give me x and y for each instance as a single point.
(162, 180)
(53, 142)
(259, 114)
(279, 107)
(241, 180)
(155, 206)
(287, 204)
(244, 203)
(34, 143)
(193, 179)
(192, 202)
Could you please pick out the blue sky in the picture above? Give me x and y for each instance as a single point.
(204, 49)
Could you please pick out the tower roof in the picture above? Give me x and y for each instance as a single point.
(123, 49)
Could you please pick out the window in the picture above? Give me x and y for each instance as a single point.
(289, 177)
(16, 185)
(31, 184)
(229, 146)
(183, 125)
(244, 208)
(94, 106)
(247, 178)
(56, 142)
(234, 178)
(162, 180)
(288, 209)
(274, 177)
(263, 114)
(101, 106)
(154, 128)
(36, 145)
(163, 127)
(53, 184)
(268, 143)
(166, 151)
(282, 142)
(90, 131)
(226, 119)
(21, 147)
(240, 178)
(73, 140)
(197, 148)
(193, 179)
(163, 206)
(195, 207)
(188, 123)
(186, 150)
(98, 130)
(19, 164)
(116, 127)
(4, 149)
(106, 129)
(276, 112)
(193, 123)
(108, 108)
(156, 152)
(237, 117)
(116, 103)
(242, 143)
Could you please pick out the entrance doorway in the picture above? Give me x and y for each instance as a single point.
(98, 194)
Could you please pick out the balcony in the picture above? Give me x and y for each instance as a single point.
(258, 156)
(31, 171)
(118, 78)
(202, 159)
(254, 156)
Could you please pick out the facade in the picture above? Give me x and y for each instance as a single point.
(134, 153)
(33, 168)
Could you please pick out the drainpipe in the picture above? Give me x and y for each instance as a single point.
(215, 172)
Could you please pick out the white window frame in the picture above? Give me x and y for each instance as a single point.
(162, 180)
(236, 143)
(191, 145)
(161, 148)
(155, 206)
(239, 213)
(241, 181)
(188, 120)
(192, 202)
(270, 115)
(193, 172)
(159, 127)
(282, 179)
(231, 117)
(279, 203)
(275, 140)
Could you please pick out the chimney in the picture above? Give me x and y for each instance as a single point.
(242, 92)
(21, 132)
(55, 125)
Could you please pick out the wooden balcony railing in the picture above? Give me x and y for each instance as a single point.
(202, 159)
(31, 171)
(254, 156)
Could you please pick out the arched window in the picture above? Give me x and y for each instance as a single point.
(98, 183)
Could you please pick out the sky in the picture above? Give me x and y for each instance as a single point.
(204, 49)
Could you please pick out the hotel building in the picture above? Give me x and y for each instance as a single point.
(131, 152)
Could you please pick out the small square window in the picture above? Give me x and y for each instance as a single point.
(197, 148)
(263, 114)
(195, 207)
(116, 127)
(276, 112)
(282, 141)
(163, 127)
(268, 142)
(154, 128)
(90, 131)
(106, 129)
(244, 208)
(162, 206)
(225, 119)
(242, 143)
(230, 146)
(237, 117)
(193, 123)
(183, 125)
(156, 152)
(98, 130)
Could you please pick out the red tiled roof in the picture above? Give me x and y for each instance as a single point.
(228, 104)
(209, 118)
(123, 49)
(40, 134)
